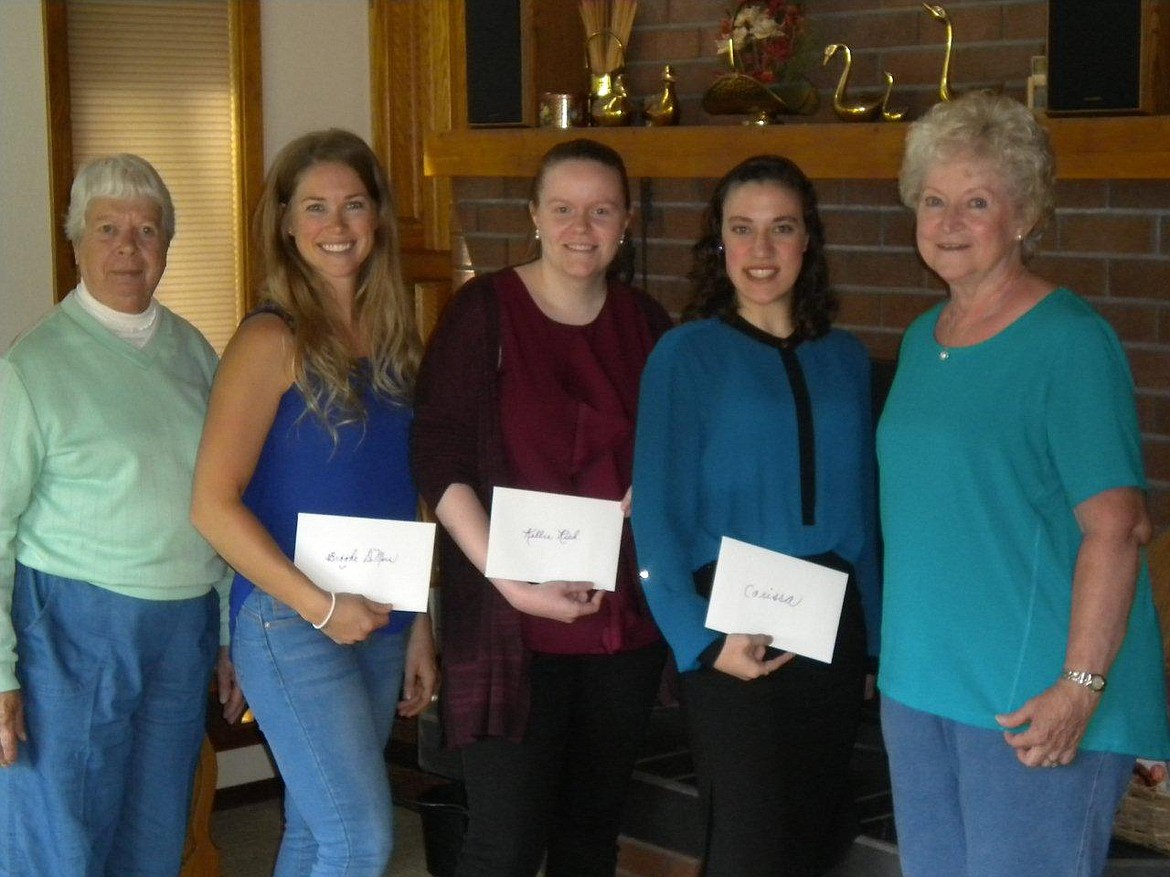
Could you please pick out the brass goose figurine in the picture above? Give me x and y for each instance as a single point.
(861, 112)
(938, 13)
(891, 115)
(662, 109)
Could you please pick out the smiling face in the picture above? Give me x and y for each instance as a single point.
(968, 224)
(333, 221)
(764, 239)
(581, 217)
(122, 252)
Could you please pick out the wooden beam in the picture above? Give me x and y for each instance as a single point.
(1133, 147)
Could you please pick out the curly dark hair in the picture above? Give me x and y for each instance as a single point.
(814, 304)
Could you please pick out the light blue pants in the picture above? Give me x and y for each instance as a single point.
(115, 701)
(326, 711)
(964, 806)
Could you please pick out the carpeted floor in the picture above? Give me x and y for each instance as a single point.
(248, 835)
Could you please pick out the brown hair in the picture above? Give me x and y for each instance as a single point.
(323, 366)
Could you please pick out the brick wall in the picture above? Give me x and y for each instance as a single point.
(1110, 240)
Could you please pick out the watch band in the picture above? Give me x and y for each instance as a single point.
(1087, 678)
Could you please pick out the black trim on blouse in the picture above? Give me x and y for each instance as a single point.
(804, 416)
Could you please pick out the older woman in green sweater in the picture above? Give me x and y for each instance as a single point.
(109, 599)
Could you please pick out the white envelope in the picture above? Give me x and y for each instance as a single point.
(544, 537)
(797, 602)
(387, 561)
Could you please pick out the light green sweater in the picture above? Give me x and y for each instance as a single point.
(97, 450)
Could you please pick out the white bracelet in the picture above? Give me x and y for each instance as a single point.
(329, 614)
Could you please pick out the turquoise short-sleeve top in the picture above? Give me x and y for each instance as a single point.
(984, 452)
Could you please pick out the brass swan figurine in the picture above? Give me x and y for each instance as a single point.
(938, 13)
(888, 114)
(858, 112)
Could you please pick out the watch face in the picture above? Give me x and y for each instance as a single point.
(1092, 681)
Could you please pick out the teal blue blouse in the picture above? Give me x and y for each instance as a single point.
(719, 453)
(984, 452)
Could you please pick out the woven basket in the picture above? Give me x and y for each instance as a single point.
(1144, 817)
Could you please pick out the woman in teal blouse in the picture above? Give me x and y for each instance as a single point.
(1021, 672)
(755, 423)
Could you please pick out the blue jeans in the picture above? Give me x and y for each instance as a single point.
(326, 711)
(964, 806)
(115, 701)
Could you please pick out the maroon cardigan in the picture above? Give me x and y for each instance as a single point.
(456, 439)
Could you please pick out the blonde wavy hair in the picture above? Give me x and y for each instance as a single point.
(324, 367)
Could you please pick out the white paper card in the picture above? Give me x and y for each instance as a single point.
(797, 602)
(387, 561)
(544, 537)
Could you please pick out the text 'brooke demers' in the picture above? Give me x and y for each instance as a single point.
(347, 558)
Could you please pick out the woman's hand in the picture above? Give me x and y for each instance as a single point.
(12, 729)
(420, 682)
(560, 601)
(354, 618)
(1057, 719)
(743, 656)
(231, 697)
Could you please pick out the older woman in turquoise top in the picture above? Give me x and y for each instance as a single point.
(109, 599)
(1021, 670)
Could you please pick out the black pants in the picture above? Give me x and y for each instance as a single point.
(561, 789)
(772, 758)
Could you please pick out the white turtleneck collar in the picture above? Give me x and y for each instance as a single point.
(135, 329)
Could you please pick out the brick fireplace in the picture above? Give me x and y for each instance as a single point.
(1110, 240)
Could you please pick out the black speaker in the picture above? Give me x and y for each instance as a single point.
(495, 70)
(1108, 57)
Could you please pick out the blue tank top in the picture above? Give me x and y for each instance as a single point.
(365, 474)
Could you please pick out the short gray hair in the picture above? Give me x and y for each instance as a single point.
(990, 127)
(117, 176)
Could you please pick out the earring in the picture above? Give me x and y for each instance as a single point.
(536, 234)
(719, 248)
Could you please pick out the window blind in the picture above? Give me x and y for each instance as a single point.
(154, 77)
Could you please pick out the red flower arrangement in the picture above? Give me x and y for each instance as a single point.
(766, 39)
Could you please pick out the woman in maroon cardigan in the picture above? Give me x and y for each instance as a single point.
(531, 381)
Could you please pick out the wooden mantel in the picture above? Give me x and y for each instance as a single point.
(1116, 148)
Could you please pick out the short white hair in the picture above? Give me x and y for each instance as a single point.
(117, 176)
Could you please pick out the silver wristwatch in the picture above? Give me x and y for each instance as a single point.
(1091, 681)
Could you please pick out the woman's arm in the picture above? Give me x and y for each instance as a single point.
(667, 455)
(20, 468)
(255, 372)
(421, 677)
(464, 518)
(1114, 526)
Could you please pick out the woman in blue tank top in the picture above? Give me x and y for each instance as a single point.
(310, 412)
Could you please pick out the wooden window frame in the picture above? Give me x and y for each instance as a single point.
(247, 105)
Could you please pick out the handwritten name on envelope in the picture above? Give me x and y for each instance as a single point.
(544, 537)
(387, 561)
(797, 602)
